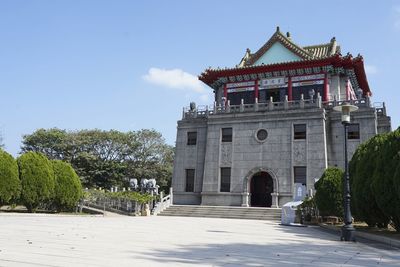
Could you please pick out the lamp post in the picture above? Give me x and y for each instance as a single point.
(347, 229)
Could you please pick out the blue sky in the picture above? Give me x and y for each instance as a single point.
(129, 65)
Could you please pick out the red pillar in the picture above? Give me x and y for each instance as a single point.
(290, 88)
(256, 90)
(326, 88)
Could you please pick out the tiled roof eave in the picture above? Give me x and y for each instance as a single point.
(211, 76)
(296, 63)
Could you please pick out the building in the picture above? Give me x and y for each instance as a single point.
(272, 128)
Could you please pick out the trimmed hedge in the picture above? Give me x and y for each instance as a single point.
(385, 181)
(362, 167)
(10, 185)
(68, 188)
(37, 180)
(329, 195)
(375, 176)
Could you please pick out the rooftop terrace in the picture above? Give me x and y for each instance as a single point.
(217, 109)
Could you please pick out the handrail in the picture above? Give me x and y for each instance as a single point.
(206, 111)
(164, 203)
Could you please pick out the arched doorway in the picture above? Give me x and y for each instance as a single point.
(261, 187)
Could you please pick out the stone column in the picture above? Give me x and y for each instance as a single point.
(256, 104)
(245, 199)
(171, 194)
(241, 105)
(228, 107)
(270, 104)
(275, 200)
(301, 101)
(286, 103)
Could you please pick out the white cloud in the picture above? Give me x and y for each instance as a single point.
(174, 78)
(178, 79)
(371, 69)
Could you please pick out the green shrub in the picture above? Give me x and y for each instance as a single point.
(362, 166)
(37, 180)
(385, 179)
(10, 185)
(68, 188)
(329, 195)
(308, 209)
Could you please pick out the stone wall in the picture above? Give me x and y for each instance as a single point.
(277, 156)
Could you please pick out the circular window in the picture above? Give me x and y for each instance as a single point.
(261, 135)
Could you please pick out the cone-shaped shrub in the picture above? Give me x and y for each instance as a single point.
(362, 167)
(37, 180)
(385, 183)
(10, 185)
(68, 188)
(329, 195)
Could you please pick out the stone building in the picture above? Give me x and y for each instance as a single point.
(272, 127)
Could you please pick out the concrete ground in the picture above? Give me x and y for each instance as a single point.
(54, 240)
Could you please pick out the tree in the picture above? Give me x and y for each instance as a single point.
(107, 158)
(68, 188)
(37, 180)
(385, 179)
(362, 167)
(10, 185)
(54, 143)
(329, 195)
(151, 158)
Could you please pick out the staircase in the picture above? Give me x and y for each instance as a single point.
(248, 213)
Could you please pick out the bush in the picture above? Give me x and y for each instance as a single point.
(329, 195)
(37, 180)
(307, 209)
(68, 188)
(386, 179)
(362, 166)
(10, 185)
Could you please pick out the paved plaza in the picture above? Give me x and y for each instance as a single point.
(54, 240)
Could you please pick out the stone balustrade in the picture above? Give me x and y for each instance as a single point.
(206, 111)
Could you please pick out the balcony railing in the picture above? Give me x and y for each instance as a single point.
(227, 108)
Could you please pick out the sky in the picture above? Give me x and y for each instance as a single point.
(130, 65)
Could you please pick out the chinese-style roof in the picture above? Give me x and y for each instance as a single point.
(305, 53)
(325, 57)
(323, 50)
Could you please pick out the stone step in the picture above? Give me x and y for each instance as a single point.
(227, 210)
(223, 211)
(250, 213)
(215, 212)
(224, 217)
(219, 212)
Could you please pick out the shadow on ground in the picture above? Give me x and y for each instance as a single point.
(296, 247)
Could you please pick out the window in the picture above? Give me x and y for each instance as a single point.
(305, 91)
(225, 180)
(189, 180)
(236, 98)
(300, 175)
(353, 131)
(191, 138)
(226, 134)
(299, 131)
(261, 135)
